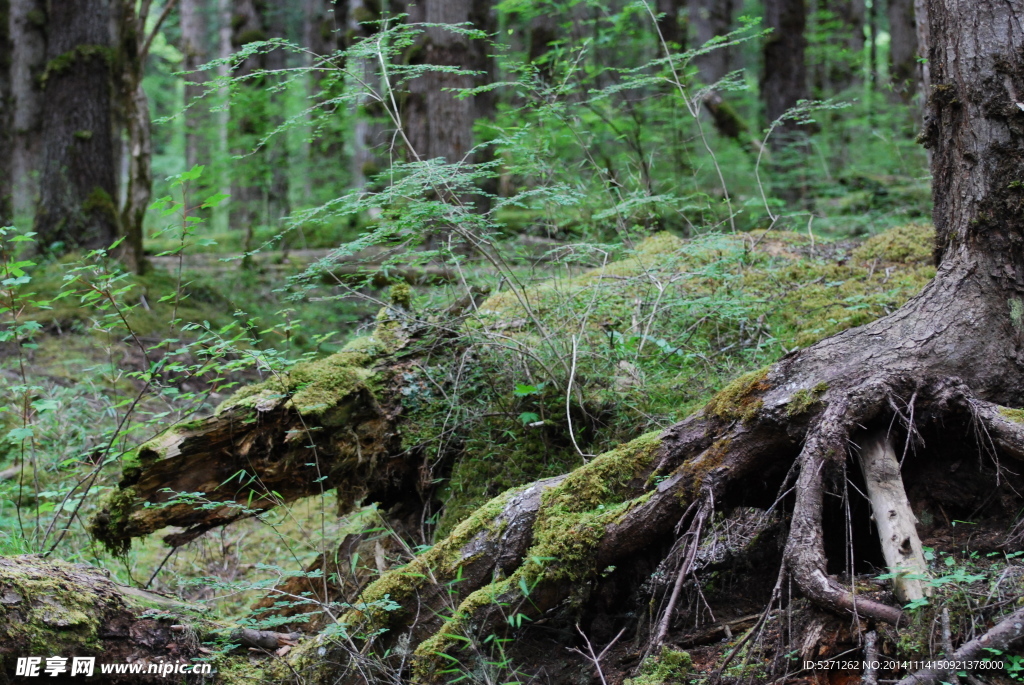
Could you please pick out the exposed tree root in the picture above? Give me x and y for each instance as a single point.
(1000, 637)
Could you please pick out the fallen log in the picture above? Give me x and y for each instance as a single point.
(56, 609)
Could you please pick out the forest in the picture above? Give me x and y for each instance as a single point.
(568, 342)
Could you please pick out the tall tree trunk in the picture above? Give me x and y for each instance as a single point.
(671, 29)
(711, 18)
(783, 85)
(369, 133)
(278, 202)
(785, 72)
(78, 181)
(6, 118)
(28, 59)
(903, 64)
(924, 80)
(195, 18)
(841, 64)
(136, 37)
(260, 183)
(245, 126)
(439, 124)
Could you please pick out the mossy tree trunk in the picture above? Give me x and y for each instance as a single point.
(77, 204)
(52, 608)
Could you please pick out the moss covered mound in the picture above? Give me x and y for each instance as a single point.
(658, 332)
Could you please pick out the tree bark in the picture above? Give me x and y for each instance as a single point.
(785, 72)
(669, 25)
(841, 65)
(438, 123)
(260, 180)
(78, 182)
(28, 59)
(52, 608)
(897, 525)
(6, 118)
(903, 52)
(783, 85)
(711, 18)
(195, 18)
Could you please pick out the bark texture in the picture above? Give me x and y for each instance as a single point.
(708, 19)
(785, 71)
(438, 123)
(78, 182)
(28, 59)
(903, 52)
(259, 181)
(50, 608)
(195, 20)
(6, 117)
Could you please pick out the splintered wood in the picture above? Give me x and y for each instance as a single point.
(894, 518)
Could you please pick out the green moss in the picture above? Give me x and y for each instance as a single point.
(910, 244)
(110, 526)
(312, 388)
(1015, 415)
(401, 295)
(804, 399)
(740, 399)
(1017, 314)
(49, 612)
(670, 666)
(62, 63)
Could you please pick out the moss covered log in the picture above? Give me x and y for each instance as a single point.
(53, 608)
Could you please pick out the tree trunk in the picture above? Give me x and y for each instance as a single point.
(78, 181)
(195, 18)
(28, 59)
(841, 65)
(278, 202)
(711, 18)
(136, 36)
(370, 136)
(785, 73)
(903, 63)
(783, 85)
(671, 30)
(260, 180)
(6, 118)
(245, 127)
(438, 124)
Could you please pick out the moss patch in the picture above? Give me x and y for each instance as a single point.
(804, 399)
(1015, 415)
(670, 666)
(740, 399)
(910, 244)
(110, 526)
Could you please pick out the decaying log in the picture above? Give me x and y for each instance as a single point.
(897, 525)
(329, 424)
(53, 608)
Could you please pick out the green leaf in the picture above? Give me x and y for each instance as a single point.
(214, 200)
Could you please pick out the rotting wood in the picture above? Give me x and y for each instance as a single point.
(897, 525)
